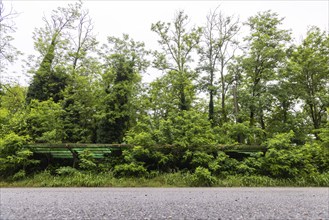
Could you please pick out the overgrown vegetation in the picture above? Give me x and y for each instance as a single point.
(274, 95)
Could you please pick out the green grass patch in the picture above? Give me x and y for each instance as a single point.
(177, 179)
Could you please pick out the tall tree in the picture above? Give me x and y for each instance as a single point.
(266, 51)
(80, 104)
(48, 81)
(177, 45)
(218, 49)
(310, 74)
(79, 101)
(124, 60)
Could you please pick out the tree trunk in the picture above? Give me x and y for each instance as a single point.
(211, 108)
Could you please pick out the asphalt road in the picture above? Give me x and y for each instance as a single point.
(164, 203)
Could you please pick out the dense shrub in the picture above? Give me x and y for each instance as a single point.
(202, 177)
(150, 158)
(223, 164)
(197, 159)
(230, 133)
(251, 165)
(185, 128)
(285, 160)
(66, 171)
(129, 170)
(13, 156)
(86, 161)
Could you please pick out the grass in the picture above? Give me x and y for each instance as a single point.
(178, 179)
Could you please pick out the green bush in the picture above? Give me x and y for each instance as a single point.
(202, 177)
(281, 141)
(44, 121)
(86, 161)
(137, 154)
(288, 163)
(318, 156)
(129, 170)
(223, 164)
(66, 171)
(285, 160)
(184, 128)
(19, 175)
(150, 158)
(197, 159)
(251, 165)
(13, 156)
(230, 133)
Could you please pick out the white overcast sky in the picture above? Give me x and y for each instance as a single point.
(112, 18)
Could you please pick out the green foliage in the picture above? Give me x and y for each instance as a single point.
(66, 171)
(251, 165)
(121, 80)
(185, 129)
(286, 164)
(80, 105)
(285, 160)
(47, 84)
(231, 133)
(202, 177)
(177, 45)
(223, 164)
(310, 75)
(12, 109)
(266, 54)
(218, 39)
(317, 156)
(150, 158)
(13, 156)
(82, 94)
(197, 159)
(86, 161)
(324, 135)
(44, 122)
(19, 175)
(129, 170)
(50, 77)
(142, 138)
(281, 141)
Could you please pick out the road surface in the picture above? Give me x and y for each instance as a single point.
(164, 203)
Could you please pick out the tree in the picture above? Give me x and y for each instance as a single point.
(44, 121)
(82, 42)
(177, 44)
(8, 53)
(217, 51)
(124, 60)
(48, 81)
(12, 109)
(235, 71)
(79, 97)
(266, 46)
(80, 106)
(310, 74)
